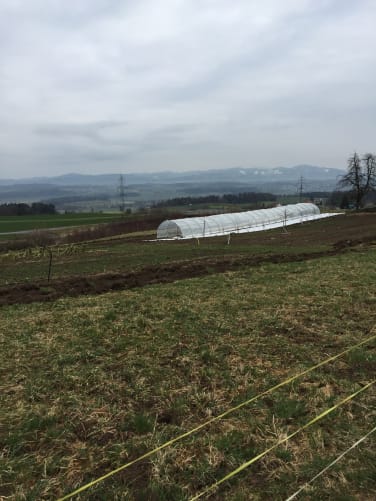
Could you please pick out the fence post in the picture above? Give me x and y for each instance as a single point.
(49, 264)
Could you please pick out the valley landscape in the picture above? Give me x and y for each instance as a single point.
(85, 193)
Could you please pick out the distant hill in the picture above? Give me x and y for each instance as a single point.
(81, 192)
(234, 175)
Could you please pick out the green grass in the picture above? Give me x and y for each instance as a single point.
(124, 255)
(26, 223)
(135, 250)
(93, 382)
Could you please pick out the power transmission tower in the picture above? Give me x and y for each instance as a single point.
(121, 193)
(301, 189)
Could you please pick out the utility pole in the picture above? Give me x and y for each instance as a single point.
(301, 189)
(285, 221)
(121, 193)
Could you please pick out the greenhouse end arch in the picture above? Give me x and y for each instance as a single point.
(237, 222)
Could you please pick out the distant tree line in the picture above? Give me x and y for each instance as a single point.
(348, 199)
(22, 209)
(229, 198)
(316, 194)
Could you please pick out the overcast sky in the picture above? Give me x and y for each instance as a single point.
(98, 86)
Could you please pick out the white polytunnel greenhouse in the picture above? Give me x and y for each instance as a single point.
(237, 222)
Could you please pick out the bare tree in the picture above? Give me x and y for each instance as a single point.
(360, 176)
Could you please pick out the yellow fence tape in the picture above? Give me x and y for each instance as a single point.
(212, 420)
(335, 461)
(277, 444)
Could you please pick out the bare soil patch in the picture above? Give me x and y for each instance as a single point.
(42, 290)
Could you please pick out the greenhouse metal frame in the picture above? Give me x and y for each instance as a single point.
(222, 224)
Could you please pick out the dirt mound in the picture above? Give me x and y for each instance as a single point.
(345, 244)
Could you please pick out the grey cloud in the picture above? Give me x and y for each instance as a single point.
(278, 46)
(199, 84)
(89, 130)
(97, 152)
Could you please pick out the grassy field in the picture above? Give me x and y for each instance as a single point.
(26, 223)
(90, 383)
(120, 256)
(134, 251)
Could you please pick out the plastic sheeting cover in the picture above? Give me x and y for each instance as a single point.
(196, 227)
